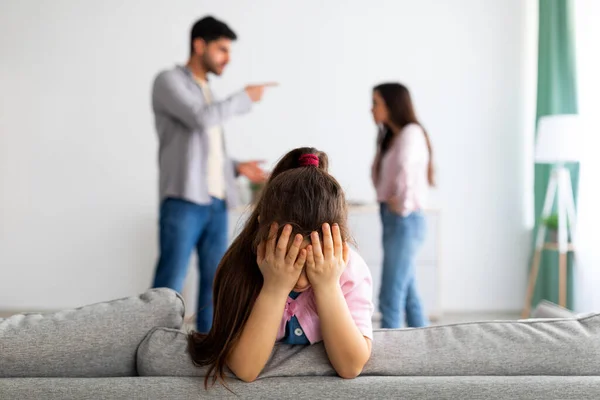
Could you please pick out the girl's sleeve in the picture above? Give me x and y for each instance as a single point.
(357, 286)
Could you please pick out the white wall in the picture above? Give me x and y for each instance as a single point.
(77, 145)
(587, 270)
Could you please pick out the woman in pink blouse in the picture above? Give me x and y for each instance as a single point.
(402, 173)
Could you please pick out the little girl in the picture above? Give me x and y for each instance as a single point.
(290, 277)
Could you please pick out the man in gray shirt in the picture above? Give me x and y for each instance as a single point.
(197, 179)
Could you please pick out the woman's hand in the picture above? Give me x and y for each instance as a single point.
(394, 205)
(279, 266)
(324, 267)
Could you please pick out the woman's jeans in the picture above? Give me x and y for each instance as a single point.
(398, 297)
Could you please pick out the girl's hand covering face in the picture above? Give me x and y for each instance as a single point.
(279, 266)
(324, 266)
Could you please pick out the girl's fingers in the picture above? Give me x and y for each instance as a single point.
(328, 250)
(292, 253)
(282, 243)
(301, 260)
(310, 257)
(338, 243)
(270, 247)
(316, 246)
(346, 252)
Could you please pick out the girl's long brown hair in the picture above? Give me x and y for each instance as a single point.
(401, 113)
(303, 196)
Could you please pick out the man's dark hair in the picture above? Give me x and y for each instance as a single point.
(210, 29)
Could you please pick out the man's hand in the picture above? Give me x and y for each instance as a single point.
(255, 92)
(252, 171)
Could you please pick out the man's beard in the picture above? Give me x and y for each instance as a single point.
(209, 66)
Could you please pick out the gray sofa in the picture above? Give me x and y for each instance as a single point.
(133, 348)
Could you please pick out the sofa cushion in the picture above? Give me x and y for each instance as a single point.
(501, 348)
(98, 340)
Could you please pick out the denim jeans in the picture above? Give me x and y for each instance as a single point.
(398, 297)
(183, 227)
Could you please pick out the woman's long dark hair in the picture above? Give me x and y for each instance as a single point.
(303, 196)
(401, 112)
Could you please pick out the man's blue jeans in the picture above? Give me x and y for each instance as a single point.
(183, 227)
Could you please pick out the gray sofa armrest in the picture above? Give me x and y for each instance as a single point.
(98, 340)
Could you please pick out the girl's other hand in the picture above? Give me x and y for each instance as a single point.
(279, 266)
(324, 266)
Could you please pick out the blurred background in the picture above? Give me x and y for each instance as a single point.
(78, 149)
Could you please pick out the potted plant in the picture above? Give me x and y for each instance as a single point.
(551, 223)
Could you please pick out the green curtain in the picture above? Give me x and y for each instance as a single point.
(556, 94)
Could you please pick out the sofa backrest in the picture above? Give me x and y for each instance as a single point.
(502, 348)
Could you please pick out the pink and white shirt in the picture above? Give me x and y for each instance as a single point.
(402, 177)
(357, 287)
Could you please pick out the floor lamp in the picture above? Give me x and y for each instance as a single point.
(557, 143)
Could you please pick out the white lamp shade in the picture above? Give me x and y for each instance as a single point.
(558, 139)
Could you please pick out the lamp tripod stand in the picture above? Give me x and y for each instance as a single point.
(559, 188)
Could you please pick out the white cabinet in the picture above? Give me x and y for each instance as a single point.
(365, 226)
